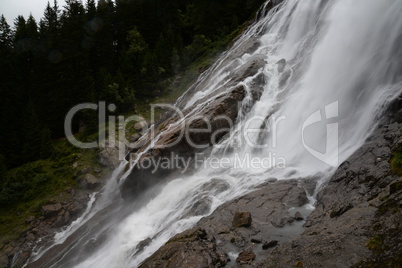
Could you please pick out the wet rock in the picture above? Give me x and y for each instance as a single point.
(283, 79)
(256, 93)
(35, 231)
(31, 219)
(270, 244)
(176, 252)
(135, 137)
(201, 207)
(8, 250)
(51, 210)
(254, 45)
(256, 240)
(239, 242)
(144, 243)
(272, 180)
(139, 126)
(59, 222)
(246, 257)
(296, 198)
(216, 186)
(281, 65)
(109, 156)
(76, 209)
(298, 216)
(242, 219)
(250, 68)
(89, 181)
(21, 258)
(30, 237)
(309, 184)
(339, 211)
(67, 217)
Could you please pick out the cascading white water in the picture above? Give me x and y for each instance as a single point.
(343, 63)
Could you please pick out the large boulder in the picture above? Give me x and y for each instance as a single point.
(109, 156)
(192, 248)
(242, 219)
(135, 137)
(139, 126)
(51, 210)
(246, 257)
(89, 181)
(281, 65)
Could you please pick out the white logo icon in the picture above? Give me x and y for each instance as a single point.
(330, 156)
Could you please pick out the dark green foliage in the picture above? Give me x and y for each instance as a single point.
(32, 140)
(23, 185)
(45, 143)
(396, 163)
(3, 170)
(396, 160)
(5, 34)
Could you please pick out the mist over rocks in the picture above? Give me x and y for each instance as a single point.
(221, 114)
(356, 222)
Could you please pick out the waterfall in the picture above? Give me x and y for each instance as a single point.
(330, 70)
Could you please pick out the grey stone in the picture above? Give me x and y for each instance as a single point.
(256, 240)
(242, 219)
(31, 219)
(283, 79)
(270, 244)
(140, 125)
(135, 137)
(246, 257)
(175, 253)
(89, 181)
(51, 210)
(298, 216)
(109, 156)
(281, 65)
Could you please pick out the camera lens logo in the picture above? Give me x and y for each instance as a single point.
(331, 154)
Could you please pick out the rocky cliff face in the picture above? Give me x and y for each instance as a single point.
(57, 213)
(356, 223)
(41, 228)
(211, 123)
